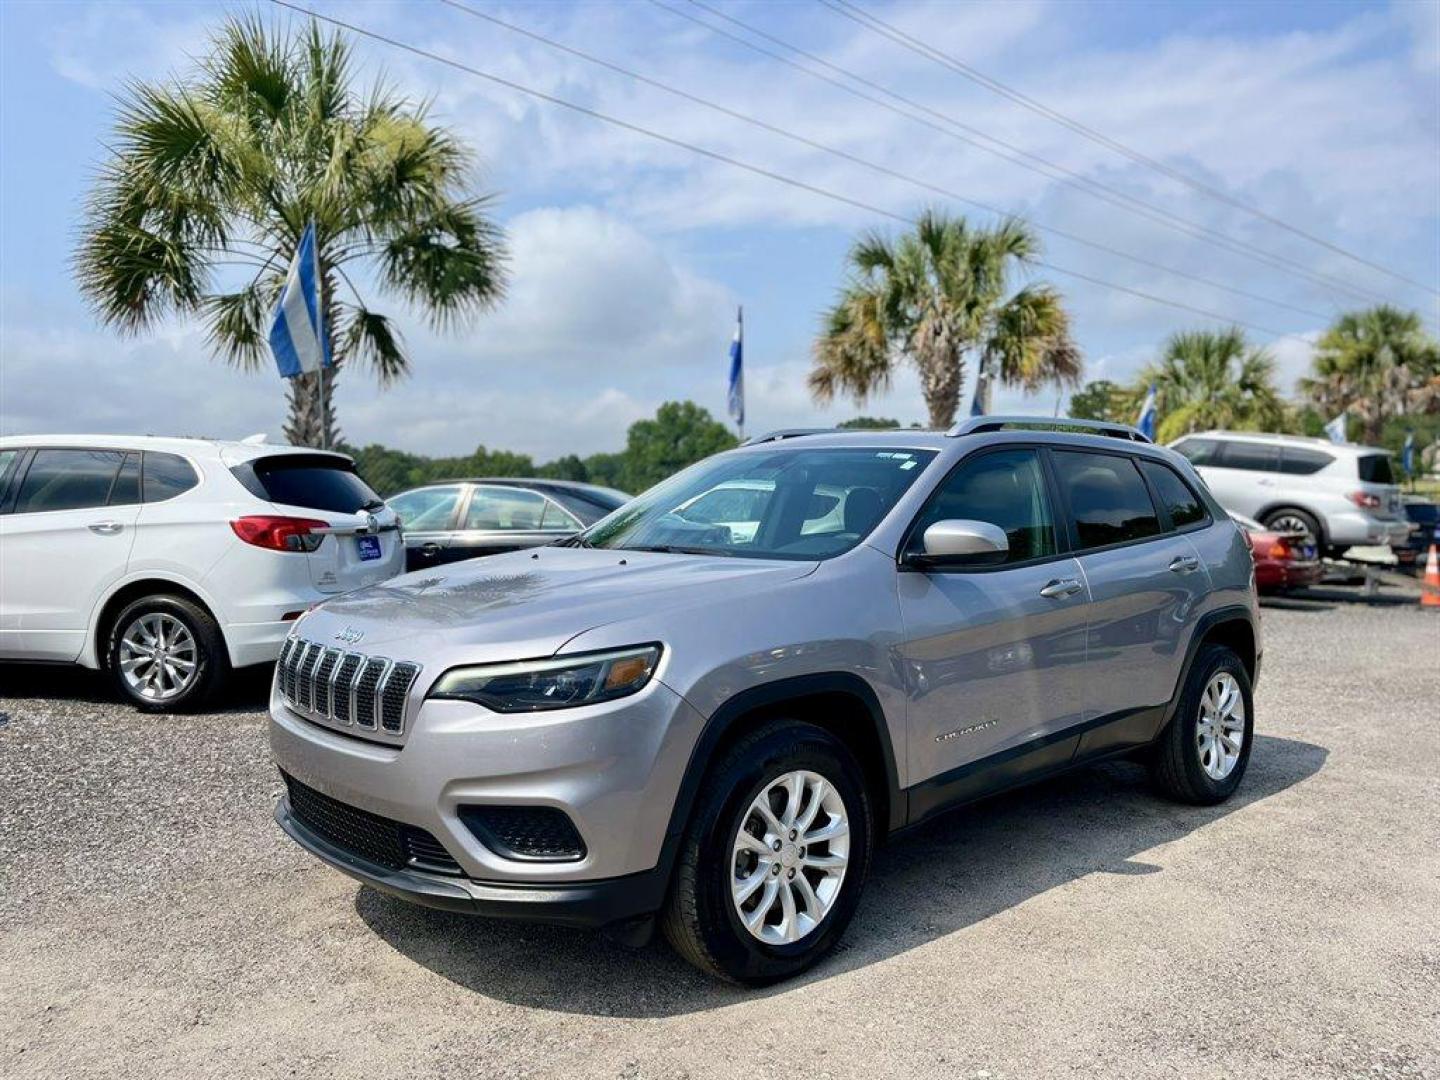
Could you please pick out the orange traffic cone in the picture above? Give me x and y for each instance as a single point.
(1430, 590)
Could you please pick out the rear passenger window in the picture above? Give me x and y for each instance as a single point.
(68, 480)
(126, 491)
(167, 475)
(1301, 462)
(1174, 494)
(1256, 457)
(1108, 499)
(1005, 488)
(1199, 451)
(505, 509)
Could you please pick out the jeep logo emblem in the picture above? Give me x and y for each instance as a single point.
(350, 636)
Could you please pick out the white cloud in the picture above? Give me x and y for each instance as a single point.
(600, 327)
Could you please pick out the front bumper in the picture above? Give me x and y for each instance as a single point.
(614, 769)
(583, 904)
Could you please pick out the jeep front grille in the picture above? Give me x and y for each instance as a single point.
(343, 688)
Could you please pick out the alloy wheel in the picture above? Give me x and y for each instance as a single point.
(1220, 728)
(789, 857)
(1292, 523)
(158, 657)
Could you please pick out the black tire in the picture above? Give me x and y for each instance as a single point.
(1175, 766)
(1312, 524)
(212, 661)
(700, 919)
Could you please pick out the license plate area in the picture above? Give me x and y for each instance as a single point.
(369, 547)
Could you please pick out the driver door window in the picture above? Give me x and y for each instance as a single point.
(1005, 488)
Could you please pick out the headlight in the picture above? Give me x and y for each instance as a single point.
(565, 681)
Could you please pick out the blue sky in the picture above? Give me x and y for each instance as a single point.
(630, 256)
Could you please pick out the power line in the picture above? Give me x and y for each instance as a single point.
(972, 136)
(866, 163)
(726, 159)
(877, 25)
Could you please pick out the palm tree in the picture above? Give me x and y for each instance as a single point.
(1375, 363)
(931, 297)
(1214, 379)
(212, 181)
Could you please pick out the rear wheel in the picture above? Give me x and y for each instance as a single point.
(773, 862)
(1202, 754)
(166, 654)
(1288, 520)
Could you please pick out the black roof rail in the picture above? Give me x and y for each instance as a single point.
(781, 434)
(975, 424)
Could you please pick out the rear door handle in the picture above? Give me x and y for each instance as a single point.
(106, 528)
(1061, 587)
(1184, 564)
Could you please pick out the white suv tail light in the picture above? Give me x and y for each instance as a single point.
(279, 533)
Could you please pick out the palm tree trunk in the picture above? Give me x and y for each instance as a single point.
(311, 421)
(312, 396)
(941, 372)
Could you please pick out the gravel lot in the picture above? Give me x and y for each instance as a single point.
(154, 922)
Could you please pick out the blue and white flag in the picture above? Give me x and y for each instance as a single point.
(977, 402)
(297, 335)
(1408, 453)
(736, 397)
(1146, 423)
(1335, 429)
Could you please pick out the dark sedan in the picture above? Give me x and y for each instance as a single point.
(462, 519)
(1424, 517)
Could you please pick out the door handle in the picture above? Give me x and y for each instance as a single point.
(1061, 587)
(106, 528)
(430, 549)
(1184, 564)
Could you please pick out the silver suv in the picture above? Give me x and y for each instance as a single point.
(1337, 495)
(712, 718)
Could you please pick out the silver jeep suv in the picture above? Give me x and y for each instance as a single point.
(711, 714)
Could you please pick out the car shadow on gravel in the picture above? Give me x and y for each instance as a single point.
(948, 874)
(248, 690)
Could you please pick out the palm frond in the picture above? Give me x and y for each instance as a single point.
(239, 322)
(370, 339)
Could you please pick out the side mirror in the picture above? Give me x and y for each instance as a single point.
(962, 543)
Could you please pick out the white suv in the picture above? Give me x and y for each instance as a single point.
(170, 561)
(1338, 495)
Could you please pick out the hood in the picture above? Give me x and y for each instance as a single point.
(529, 603)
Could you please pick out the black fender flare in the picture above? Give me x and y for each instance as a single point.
(766, 696)
(1206, 623)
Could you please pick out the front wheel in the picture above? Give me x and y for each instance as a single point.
(166, 654)
(777, 852)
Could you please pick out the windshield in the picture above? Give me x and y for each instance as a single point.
(787, 503)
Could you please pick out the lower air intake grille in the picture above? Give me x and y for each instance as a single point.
(375, 839)
(538, 833)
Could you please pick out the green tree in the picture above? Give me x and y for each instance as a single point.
(607, 470)
(931, 297)
(1377, 363)
(212, 180)
(868, 423)
(568, 467)
(1214, 379)
(1108, 401)
(681, 434)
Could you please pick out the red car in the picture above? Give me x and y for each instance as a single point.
(1282, 560)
